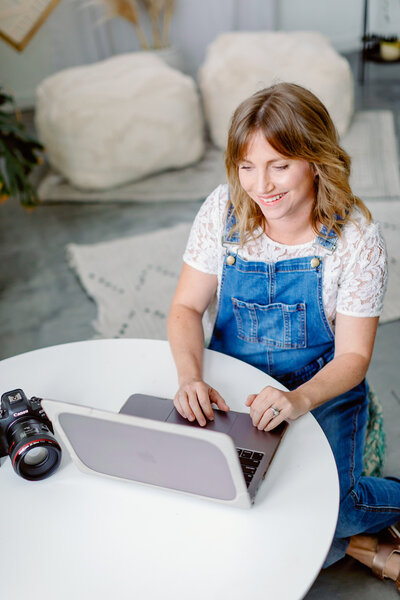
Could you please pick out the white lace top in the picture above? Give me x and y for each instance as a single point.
(354, 275)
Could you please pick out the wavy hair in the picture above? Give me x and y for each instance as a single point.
(298, 126)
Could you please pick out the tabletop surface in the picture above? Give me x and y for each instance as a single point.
(89, 537)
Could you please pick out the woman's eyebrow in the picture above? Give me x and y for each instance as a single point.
(273, 160)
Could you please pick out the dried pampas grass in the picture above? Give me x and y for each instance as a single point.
(159, 13)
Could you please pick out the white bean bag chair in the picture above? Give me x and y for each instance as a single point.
(238, 64)
(119, 120)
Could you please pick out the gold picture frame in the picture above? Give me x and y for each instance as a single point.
(20, 19)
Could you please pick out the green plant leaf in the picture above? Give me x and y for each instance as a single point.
(18, 151)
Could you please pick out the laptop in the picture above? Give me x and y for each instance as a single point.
(149, 443)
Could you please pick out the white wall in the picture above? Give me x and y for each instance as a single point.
(341, 20)
(72, 36)
(385, 17)
(62, 41)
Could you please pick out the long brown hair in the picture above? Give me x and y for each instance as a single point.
(298, 126)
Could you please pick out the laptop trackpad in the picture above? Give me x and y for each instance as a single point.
(222, 421)
(161, 409)
(147, 407)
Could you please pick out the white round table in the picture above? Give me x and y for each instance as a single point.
(81, 536)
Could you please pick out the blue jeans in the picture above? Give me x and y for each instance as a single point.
(367, 504)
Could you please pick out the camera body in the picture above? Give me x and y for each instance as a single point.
(26, 436)
(15, 407)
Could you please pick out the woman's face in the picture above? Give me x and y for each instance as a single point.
(283, 188)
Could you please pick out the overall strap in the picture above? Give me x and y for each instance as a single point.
(230, 222)
(327, 239)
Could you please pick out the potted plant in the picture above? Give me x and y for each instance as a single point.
(18, 155)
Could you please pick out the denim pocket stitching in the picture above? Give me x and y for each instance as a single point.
(239, 321)
(252, 336)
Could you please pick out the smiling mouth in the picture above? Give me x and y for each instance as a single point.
(271, 199)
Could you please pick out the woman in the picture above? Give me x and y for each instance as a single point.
(296, 269)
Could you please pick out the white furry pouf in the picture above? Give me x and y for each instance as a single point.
(119, 120)
(240, 63)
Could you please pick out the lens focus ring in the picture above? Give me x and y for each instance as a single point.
(34, 452)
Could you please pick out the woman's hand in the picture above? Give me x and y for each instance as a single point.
(290, 405)
(193, 401)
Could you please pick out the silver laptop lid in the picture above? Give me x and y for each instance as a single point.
(193, 461)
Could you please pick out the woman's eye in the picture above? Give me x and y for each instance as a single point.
(244, 168)
(281, 167)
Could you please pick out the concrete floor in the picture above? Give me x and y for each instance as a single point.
(42, 303)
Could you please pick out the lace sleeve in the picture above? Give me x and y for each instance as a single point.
(363, 282)
(204, 242)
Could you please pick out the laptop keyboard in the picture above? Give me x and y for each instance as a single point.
(249, 461)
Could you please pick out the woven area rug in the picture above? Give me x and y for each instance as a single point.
(132, 282)
(370, 141)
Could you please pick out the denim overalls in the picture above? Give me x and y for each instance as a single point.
(271, 316)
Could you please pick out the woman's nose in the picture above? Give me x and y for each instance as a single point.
(264, 183)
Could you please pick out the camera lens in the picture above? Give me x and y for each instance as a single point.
(36, 456)
(38, 461)
(34, 452)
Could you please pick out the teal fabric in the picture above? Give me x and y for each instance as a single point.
(375, 442)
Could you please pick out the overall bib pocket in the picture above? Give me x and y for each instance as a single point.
(275, 325)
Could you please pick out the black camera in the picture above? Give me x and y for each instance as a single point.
(25, 435)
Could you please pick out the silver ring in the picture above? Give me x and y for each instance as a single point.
(275, 411)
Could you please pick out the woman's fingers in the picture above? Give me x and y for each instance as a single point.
(218, 399)
(201, 407)
(269, 420)
(263, 407)
(181, 403)
(250, 399)
(193, 402)
(178, 406)
(272, 406)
